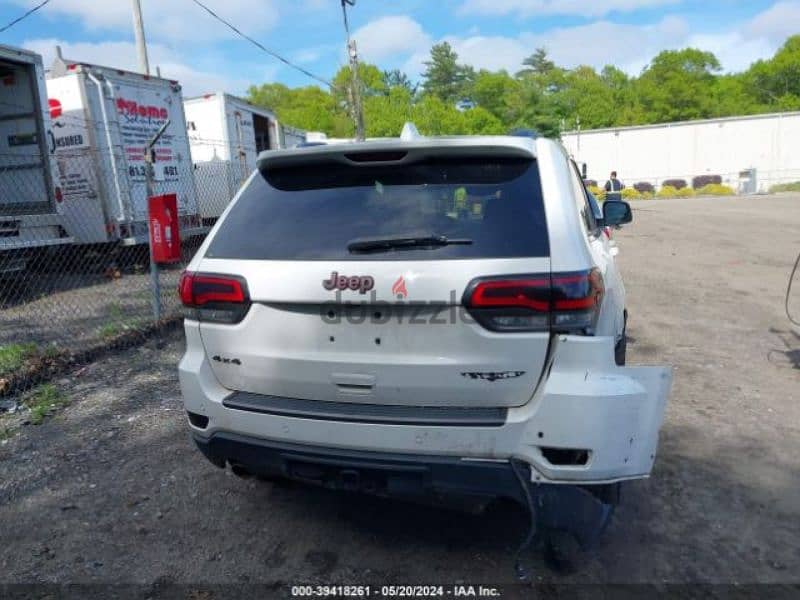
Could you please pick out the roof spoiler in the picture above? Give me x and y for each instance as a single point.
(410, 148)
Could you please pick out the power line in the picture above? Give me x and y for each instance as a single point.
(24, 15)
(286, 61)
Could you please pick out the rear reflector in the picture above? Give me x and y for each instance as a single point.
(216, 298)
(561, 302)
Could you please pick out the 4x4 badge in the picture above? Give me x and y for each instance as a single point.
(362, 283)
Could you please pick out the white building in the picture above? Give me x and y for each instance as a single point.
(768, 143)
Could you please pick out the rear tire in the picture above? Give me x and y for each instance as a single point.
(562, 552)
(620, 351)
(621, 348)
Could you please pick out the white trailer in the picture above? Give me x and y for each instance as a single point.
(29, 218)
(751, 153)
(103, 118)
(226, 134)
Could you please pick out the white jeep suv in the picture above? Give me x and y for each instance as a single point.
(436, 318)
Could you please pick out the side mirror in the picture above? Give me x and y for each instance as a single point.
(616, 212)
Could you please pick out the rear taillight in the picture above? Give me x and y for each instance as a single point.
(576, 301)
(215, 298)
(510, 303)
(561, 302)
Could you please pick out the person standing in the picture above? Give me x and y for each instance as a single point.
(614, 187)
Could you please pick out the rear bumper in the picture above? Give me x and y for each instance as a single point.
(609, 415)
(439, 480)
(387, 474)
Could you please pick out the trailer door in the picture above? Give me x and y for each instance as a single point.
(24, 167)
(140, 109)
(262, 131)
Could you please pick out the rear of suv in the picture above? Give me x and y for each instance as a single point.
(431, 318)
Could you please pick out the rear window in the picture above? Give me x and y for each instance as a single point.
(314, 212)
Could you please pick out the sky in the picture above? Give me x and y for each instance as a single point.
(189, 45)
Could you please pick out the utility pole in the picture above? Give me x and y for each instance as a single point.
(355, 83)
(141, 43)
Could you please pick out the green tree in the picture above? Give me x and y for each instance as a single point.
(675, 86)
(273, 96)
(396, 78)
(585, 95)
(497, 92)
(433, 116)
(537, 110)
(479, 121)
(776, 82)
(734, 95)
(443, 76)
(385, 116)
(627, 109)
(537, 64)
(309, 108)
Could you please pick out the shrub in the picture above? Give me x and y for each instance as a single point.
(631, 194)
(667, 191)
(703, 180)
(678, 184)
(686, 192)
(794, 186)
(716, 189)
(597, 192)
(644, 187)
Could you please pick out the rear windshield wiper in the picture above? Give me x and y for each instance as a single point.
(378, 244)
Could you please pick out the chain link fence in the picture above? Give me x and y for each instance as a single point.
(75, 259)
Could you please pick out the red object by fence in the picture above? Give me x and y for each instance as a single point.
(165, 237)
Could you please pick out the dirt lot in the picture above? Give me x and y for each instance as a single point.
(78, 301)
(111, 489)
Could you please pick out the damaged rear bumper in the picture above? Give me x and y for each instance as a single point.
(583, 511)
(589, 421)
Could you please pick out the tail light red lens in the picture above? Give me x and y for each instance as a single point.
(216, 298)
(510, 303)
(561, 302)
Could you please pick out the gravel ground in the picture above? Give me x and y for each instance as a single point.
(111, 489)
(77, 297)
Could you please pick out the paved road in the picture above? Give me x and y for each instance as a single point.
(111, 490)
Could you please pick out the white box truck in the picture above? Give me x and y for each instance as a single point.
(29, 219)
(102, 119)
(226, 134)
